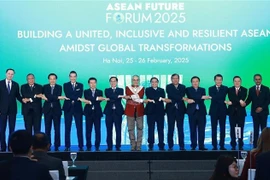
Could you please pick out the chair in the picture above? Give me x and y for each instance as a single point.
(251, 174)
(54, 174)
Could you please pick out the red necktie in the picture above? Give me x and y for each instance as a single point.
(236, 91)
(258, 90)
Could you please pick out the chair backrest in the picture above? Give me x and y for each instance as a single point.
(65, 165)
(54, 174)
(251, 174)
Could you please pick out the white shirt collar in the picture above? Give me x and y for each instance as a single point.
(258, 86)
(237, 88)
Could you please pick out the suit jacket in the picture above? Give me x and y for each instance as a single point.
(8, 103)
(175, 95)
(158, 106)
(52, 99)
(258, 101)
(50, 162)
(26, 92)
(236, 108)
(197, 97)
(262, 166)
(73, 95)
(131, 105)
(114, 100)
(88, 107)
(22, 168)
(217, 106)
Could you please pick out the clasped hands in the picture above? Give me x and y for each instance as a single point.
(242, 103)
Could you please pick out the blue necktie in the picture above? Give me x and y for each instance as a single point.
(73, 86)
(93, 93)
(9, 87)
(52, 87)
(197, 105)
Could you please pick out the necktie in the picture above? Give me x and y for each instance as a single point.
(113, 90)
(73, 86)
(52, 88)
(236, 91)
(31, 87)
(93, 93)
(9, 87)
(258, 90)
(218, 89)
(197, 105)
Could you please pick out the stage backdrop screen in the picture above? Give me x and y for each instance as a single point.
(148, 38)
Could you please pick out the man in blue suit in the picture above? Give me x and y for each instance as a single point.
(218, 110)
(176, 110)
(93, 112)
(114, 111)
(196, 111)
(258, 95)
(9, 93)
(52, 94)
(155, 112)
(73, 108)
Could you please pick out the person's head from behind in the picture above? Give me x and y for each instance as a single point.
(20, 143)
(263, 143)
(226, 167)
(41, 142)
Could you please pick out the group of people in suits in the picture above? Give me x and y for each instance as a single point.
(139, 102)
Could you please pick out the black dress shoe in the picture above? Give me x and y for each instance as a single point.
(3, 150)
(170, 149)
(80, 149)
(56, 149)
(97, 149)
(222, 149)
(88, 149)
(161, 149)
(150, 149)
(67, 149)
(108, 149)
(233, 148)
(241, 148)
(182, 149)
(193, 149)
(203, 149)
(118, 149)
(214, 148)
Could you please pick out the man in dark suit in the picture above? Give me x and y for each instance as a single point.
(176, 110)
(114, 111)
(32, 110)
(262, 166)
(73, 108)
(41, 145)
(218, 110)
(93, 112)
(21, 167)
(196, 111)
(9, 92)
(52, 108)
(237, 111)
(155, 112)
(258, 95)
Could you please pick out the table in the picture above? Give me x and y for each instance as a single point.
(78, 171)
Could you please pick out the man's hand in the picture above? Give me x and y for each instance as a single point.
(100, 98)
(39, 95)
(148, 101)
(228, 102)
(127, 97)
(242, 103)
(63, 97)
(190, 101)
(259, 109)
(166, 100)
(206, 97)
(121, 96)
(44, 97)
(25, 100)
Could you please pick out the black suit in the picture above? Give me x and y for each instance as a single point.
(260, 100)
(52, 111)
(218, 112)
(22, 168)
(32, 111)
(50, 162)
(8, 109)
(196, 115)
(262, 166)
(175, 112)
(155, 114)
(237, 113)
(93, 114)
(73, 108)
(114, 111)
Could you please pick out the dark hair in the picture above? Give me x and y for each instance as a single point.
(114, 78)
(40, 141)
(92, 78)
(218, 75)
(257, 75)
(30, 74)
(52, 74)
(236, 77)
(175, 75)
(222, 168)
(72, 72)
(195, 77)
(20, 142)
(10, 69)
(153, 79)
